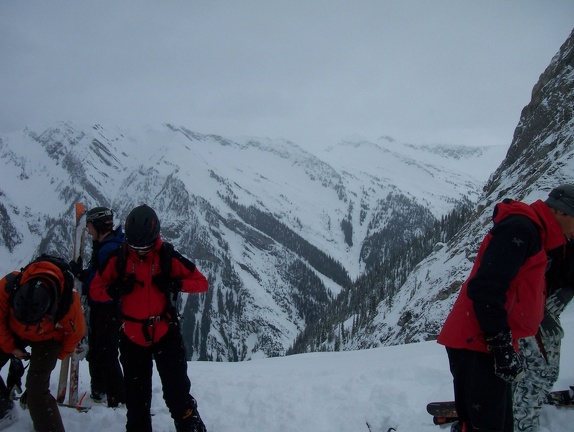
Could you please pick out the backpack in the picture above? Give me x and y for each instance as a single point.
(62, 298)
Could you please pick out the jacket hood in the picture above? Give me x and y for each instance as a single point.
(46, 269)
(551, 234)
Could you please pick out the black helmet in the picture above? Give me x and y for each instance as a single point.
(34, 299)
(562, 198)
(102, 218)
(142, 228)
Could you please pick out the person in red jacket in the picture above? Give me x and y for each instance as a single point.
(502, 301)
(39, 309)
(142, 276)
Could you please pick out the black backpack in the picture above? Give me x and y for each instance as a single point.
(64, 298)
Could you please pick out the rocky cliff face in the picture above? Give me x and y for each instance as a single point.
(540, 157)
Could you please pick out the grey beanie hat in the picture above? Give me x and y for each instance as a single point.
(562, 198)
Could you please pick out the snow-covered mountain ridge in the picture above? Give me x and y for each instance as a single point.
(262, 218)
(541, 156)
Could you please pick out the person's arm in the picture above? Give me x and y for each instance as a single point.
(7, 341)
(184, 277)
(102, 279)
(74, 325)
(192, 280)
(513, 241)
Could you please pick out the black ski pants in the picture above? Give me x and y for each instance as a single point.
(171, 364)
(103, 340)
(483, 400)
(42, 405)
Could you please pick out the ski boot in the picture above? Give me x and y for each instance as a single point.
(9, 416)
(97, 397)
(191, 423)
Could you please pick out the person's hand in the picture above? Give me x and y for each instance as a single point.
(168, 284)
(14, 378)
(76, 267)
(121, 287)
(24, 400)
(82, 349)
(21, 354)
(550, 328)
(507, 363)
(558, 300)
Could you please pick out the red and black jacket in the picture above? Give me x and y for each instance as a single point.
(506, 288)
(146, 313)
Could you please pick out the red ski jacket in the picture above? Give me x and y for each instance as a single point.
(506, 288)
(146, 313)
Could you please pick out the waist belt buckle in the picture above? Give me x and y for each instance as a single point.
(153, 320)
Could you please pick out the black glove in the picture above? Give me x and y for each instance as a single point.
(167, 284)
(507, 362)
(77, 268)
(121, 287)
(24, 400)
(558, 300)
(14, 379)
(550, 328)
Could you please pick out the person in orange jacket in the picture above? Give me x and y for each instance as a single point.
(501, 302)
(142, 276)
(39, 309)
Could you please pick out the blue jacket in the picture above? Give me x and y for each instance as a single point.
(100, 253)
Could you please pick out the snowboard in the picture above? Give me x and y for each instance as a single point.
(445, 412)
(71, 364)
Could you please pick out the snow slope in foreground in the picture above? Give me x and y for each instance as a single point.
(319, 392)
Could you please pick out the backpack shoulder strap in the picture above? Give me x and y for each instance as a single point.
(122, 253)
(165, 255)
(12, 280)
(170, 253)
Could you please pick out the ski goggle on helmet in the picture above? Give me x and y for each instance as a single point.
(142, 229)
(101, 218)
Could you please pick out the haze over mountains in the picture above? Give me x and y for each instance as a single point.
(286, 236)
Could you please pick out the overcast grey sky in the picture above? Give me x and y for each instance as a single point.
(314, 71)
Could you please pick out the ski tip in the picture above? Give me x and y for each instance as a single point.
(80, 210)
(82, 398)
(79, 408)
(443, 420)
